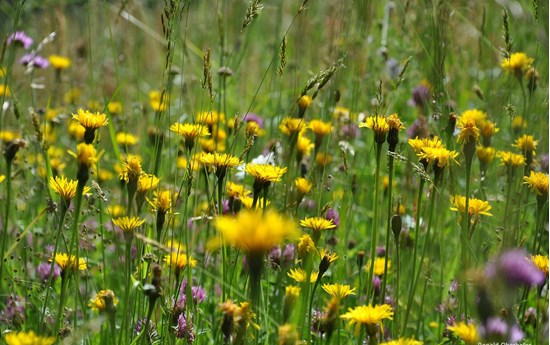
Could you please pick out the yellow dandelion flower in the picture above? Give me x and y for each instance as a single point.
(517, 63)
(317, 223)
(104, 175)
(439, 156)
(146, 183)
(114, 108)
(526, 143)
(323, 159)
(287, 335)
(519, 122)
(131, 168)
(394, 122)
(5, 91)
(419, 144)
(292, 292)
(475, 206)
(2, 178)
(466, 332)
(541, 261)
(7, 136)
(247, 202)
(68, 262)
(27, 338)
(320, 128)
(220, 161)
(379, 266)
(158, 101)
(265, 173)
(303, 103)
(189, 132)
(368, 315)
(488, 129)
(403, 341)
(127, 224)
(255, 232)
(162, 201)
(338, 290)
(303, 145)
(486, 154)
(303, 186)
(299, 275)
(76, 130)
(305, 245)
(235, 190)
(86, 154)
(468, 130)
(511, 159)
(59, 62)
(65, 188)
(475, 115)
(104, 300)
(126, 139)
(210, 118)
(178, 260)
(291, 126)
(378, 125)
(254, 129)
(116, 211)
(537, 182)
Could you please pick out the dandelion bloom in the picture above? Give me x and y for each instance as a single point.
(320, 128)
(526, 143)
(517, 63)
(379, 126)
(127, 224)
(210, 118)
(323, 159)
(146, 183)
(303, 186)
(317, 223)
(158, 100)
(541, 261)
(468, 130)
(475, 206)
(368, 315)
(255, 232)
(303, 103)
(179, 260)
(338, 290)
(162, 201)
(287, 334)
(27, 338)
(114, 108)
(475, 115)
(291, 126)
(511, 159)
(303, 146)
(537, 182)
(189, 132)
(5, 91)
(86, 154)
(403, 341)
(221, 161)
(418, 145)
(439, 156)
(486, 154)
(305, 245)
(104, 300)
(379, 266)
(68, 262)
(65, 188)
(466, 332)
(90, 121)
(299, 275)
(248, 201)
(131, 168)
(519, 123)
(59, 62)
(265, 173)
(488, 129)
(235, 190)
(126, 139)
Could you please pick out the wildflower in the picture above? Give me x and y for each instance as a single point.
(104, 300)
(419, 144)
(519, 123)
(86, 156)
(511, 159)
(131, 169)
(368, 315)
(327, 258)
(20, 38)
(303, 146)
(158, 100)
(65, 188)
(305, 245)
(221, 162)
(532, 76)
(76, 130)
(515, 268)
(303, 103)
(90, 122)
(162, 201)
(59, 62)
(7, 136)
(189, 132)
(486, 154)
(517, 63)
(264, 174)
(210, 118)
(287, 335)
(466, 332)
(114, 108)
(322, 159)
(292, 126)
(146, 183)
(320, 128)
(338, 290)
(34, 61)
(248, 202)
(255, 232)
(421, 94)
(379, 265)
(475, 115)
(402, 341)
(299, 275)
(476, 207)
(27, 338)
(126, 139)
(541, 262)
(379, 126)
(439, 156)
(303, 186)
(527, 144)
(179, 261)
(291, 296)
(127, 224)
(487, 129)
(537, 182)
(317, 224)
(68, 263)
(235, 190)
(5, 91)
(395, 124)
(468, 130)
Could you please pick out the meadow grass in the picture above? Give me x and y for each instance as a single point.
(283, 172)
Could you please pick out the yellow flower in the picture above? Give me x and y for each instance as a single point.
(517, 63)
(541, 262)
(235, 190)
(2, 178)
(379, 264)
(68, 263)
(86, 154)
(265, 173)
(27, 338)
(299, 275)
(291, 126)
(537, 182)
(210, 118)
(488, 128)
(292, 292)
(189, 132)
(162, 201)
(303, 185)
(526, 143)
(7, 136)
(90, 121)
(438, 155)
(5, 91)
(303, 103)
(466, 332)
(379, 126)
(287, 335)
(247, 202)
(126, 139)
(486, 154)
(127, 224)
(475, 206)
(158, 101)
(179, 260)
(468, 130)
(475, 115)
(519, 122)
(394, 122)
(104, 300)
(320, 128)
(323, 159)
(131, 168)
(317, 223)
(255, 232)
(220, 161)
(254, 129)
(511, 159)
(419, 144)
(402, 341)
(114, 108)
(76, 130)
(65, 188)
(338, 290)
(146, 183)
(116, 211)
(59, 62)
(304, 145)
(305, 245)
(368, 315)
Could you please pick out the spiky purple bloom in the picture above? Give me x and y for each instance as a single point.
(43, 271)
(198, 293)
(184, 330)
(516, 269)
(21, 38)
(35, 61)
(333, 215)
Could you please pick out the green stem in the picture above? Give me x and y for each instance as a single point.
(374, 237)
(464, 243)
(6, 217)
(128, 263)
(388, 229)
(62, 298)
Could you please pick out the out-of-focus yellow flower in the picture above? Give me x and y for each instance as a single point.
(114, 108)
(210, 118)
(511, 159)
(323, 159)
(303, 186)
(541, 261)
(104, 301)
(126, 139)
(7, 136)
(178, 260)
(526, 143)
(292, 126)
(466, 332)
(59, 62)
(517, 63)
(519, 122)
(304, 145)
(5, 91)
(379, 266)
(68, 262)
(403, 341)
(486, 154)
(299, 275)
(235, 190)
(320, 128)
(147, 183)
(303, 103)
(27, 338)
(158, 101)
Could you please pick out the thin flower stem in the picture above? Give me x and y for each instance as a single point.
(128, 264)
(388, 229)
(6, 217)
(311, 306)
(464, 242)
(62, 299)
(374, 237)
(397, 273)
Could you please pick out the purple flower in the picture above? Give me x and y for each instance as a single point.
(43, 271)
(419, 129)
(380, 251)
(36, 61)
(184, 330)
(199, 295)
(21, 38)
(350, 131)
(288, 253)
(543, 162)
(255, 118)
(14, 313)
(333, 215)
(420, 95)
(516, 269)
(497, 329)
